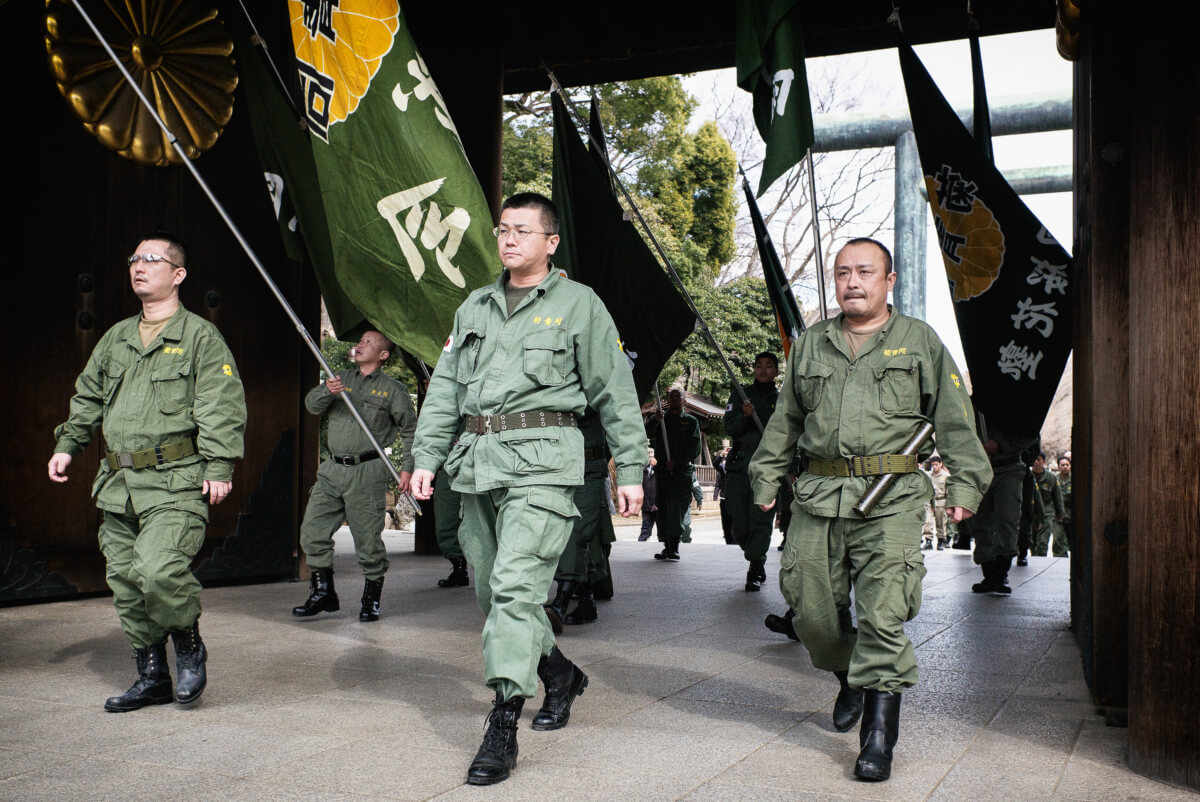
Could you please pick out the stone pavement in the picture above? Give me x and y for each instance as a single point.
(690, 697)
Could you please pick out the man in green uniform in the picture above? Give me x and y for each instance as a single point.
(674, 488)
(995, 526)
(447, 514)
(166, 392)
(857, 388)
(575, 563)
(352, 484)
(751, 525)
(1067, 528)
(1052, 510)
(526, 356)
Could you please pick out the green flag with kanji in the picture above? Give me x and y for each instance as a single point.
(770, 66)
(408, 222)
(291, 178)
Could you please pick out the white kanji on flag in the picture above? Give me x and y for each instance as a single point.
(436, 228)
(425, 89)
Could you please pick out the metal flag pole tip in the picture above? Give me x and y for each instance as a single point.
(233, 229)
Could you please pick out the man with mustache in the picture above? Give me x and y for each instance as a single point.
(857, 387)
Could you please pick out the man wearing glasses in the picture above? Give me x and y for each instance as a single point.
(526, 356)
(165, 390)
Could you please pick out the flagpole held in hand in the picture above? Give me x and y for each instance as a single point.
(662, 421)
(233, 229)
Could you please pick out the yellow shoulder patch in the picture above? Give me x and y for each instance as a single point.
(227, 370)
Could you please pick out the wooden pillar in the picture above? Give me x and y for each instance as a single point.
(1164, 375)
(1100, 437)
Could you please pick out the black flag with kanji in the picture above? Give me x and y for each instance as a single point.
(1009, 278)
(783, 300)
(604, 251)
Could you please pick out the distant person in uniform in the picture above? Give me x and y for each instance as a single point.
(164, 389)
(674, 470)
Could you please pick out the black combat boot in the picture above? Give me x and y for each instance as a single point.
(988, 582)
(782, 624)
(1000, 567)
(564, 681)
(458, 574)
(190, 657)
(585, 607)
(322, 598)
(672, 550)
(756, 575)
(849, 704)
(877, 738)
(372, 590)
(498, 753)
(153, 685)
(556, 610)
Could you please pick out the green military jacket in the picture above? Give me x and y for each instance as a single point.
(1064, 486)
(558, 351)
(683, 438)
(834, 406)
(184, 384)
(744, 431)
(1052, 500)
(383, 403)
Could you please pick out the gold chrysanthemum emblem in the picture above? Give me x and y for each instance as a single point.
(178, 52)
(972, 244)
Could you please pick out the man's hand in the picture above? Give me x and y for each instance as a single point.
(767, 507)
(334, 384)
(58, 467)
(216, 491)
(748, 409)
(629, 500)
(699, 506)
(405, 482)
(958, 514)
(422, 484)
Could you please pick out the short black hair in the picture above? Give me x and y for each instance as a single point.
(770, 356)
(887, 255)
(176, 244)
(1042, 454)
(533, 200)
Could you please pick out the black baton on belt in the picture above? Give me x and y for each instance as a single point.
(884, 481)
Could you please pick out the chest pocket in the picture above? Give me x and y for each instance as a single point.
(113, 372)
(374, 411)
(899, 385)
(172, 387)
(469, 345)
(546, 357)
(811, 379)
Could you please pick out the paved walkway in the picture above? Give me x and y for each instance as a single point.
(690, 697)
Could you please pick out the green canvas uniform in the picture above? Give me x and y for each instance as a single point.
(995, 526)
(1052, 509)
(698, 498)
(833, 406)
(182, 388)
(557, 352)
(1064, 533)
(575, 562)
(356, 493)
(447, 513)
(751, 526)
(673, 493)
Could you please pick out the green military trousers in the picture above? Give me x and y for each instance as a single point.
(148, 563)
(513, 538)
(356, 494)
(574, 564)
(447, 512)
(997, 523)
(881, 559)
(673, 497)
(751, 526)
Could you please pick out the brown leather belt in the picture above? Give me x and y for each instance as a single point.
(159, 455)
(872, 465)
(490, 424)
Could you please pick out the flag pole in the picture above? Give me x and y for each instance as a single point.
(662, 422)
(812, 194)
(741, 391)
(233, 229)
(787, 282)
(257, 40)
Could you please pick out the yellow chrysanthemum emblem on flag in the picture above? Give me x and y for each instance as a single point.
(339, 47)
(969, 235)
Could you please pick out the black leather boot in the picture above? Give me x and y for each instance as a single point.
(190, 658)
(782, 624)
(1000, 569)
(556, 610)
(153, 685)
(498, 753)
(322, 598)
(372, 590)
(877, 738)
(458, 574)
(986, 585)
(564, 681)
(849, 704)
(756, 574)
(585, 607)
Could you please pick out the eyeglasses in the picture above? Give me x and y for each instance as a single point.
(522, 234)
(149, 258)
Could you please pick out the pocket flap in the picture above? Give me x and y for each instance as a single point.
(812, 369)
(172, 371)
(549, 340)
(907, 364)
(554, 502)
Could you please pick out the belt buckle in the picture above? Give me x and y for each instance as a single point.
(125, 460)
(347, 462)
(487, 424)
